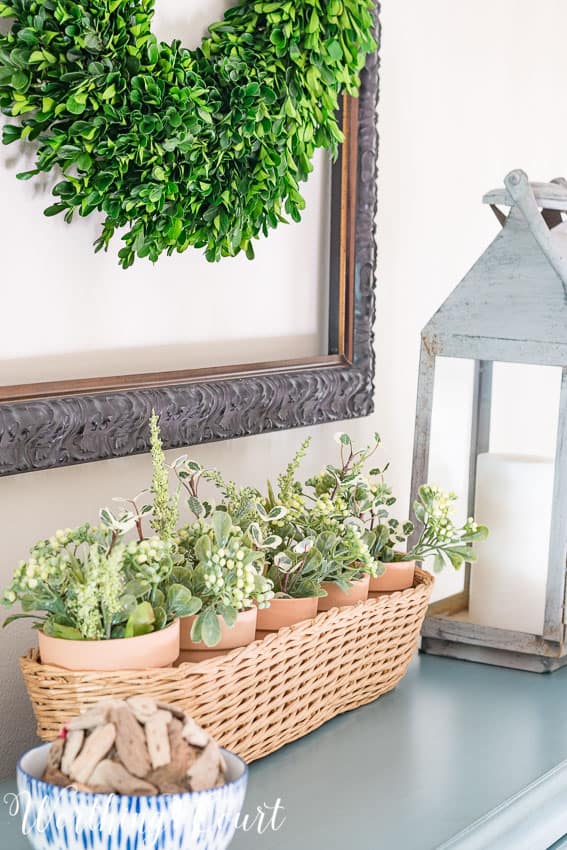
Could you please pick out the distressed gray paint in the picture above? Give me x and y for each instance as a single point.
(480, 437)
(511, 307)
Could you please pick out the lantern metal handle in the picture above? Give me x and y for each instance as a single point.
(521, 192)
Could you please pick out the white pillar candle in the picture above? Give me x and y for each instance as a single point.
(513, 498)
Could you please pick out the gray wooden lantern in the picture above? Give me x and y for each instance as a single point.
(511, 307)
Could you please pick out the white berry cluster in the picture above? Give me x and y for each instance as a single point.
(186, 538)
(231, 574)
(440, 508)
(150, 560)
(48, 563)
(337, 506)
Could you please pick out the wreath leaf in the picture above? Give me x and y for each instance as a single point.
(202, 148)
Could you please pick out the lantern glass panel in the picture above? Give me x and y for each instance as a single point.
(525, 409)
(450, 447)
(506, 587)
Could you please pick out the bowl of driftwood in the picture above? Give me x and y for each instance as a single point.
(131, 774)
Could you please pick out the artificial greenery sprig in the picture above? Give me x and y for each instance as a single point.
(83, 584)
(337, 547)
(204, 148)
(439, 537)
(222, 572)
(165, 510)
(345, 490)
(336, 481)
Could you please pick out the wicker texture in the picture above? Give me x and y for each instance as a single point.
(258, 698)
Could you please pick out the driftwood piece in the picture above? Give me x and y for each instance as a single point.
(55, 777)
(98, 715)
(138, 746)
(195, 734)
(157, 738)
(110, 776)
(204, 772)
(175, 710)
(131, 741)
(97, 746)
(142, 707)
(73, 744)
(172, 778)
(55, 754)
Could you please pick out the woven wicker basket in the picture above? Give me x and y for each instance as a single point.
(258, 698)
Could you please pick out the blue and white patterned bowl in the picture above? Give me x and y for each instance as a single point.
(57, 818)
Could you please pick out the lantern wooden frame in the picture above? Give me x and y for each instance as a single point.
(511, 307)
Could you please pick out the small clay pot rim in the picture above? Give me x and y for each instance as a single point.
(399, 563)
(290, 598)
(403, 554)
(109, 641)
(362, 580)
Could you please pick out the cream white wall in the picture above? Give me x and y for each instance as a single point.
(469, 91)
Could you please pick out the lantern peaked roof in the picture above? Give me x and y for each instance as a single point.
(512, 304)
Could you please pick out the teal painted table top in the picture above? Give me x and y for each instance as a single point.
(459, 756)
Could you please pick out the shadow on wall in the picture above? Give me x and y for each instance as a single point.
(158, 358)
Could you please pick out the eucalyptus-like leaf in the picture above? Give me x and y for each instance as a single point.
(303, 546)
(273, 541)
(210, 627)
(137, 587)
(160, 618)
(342, 438)
(180, 601)
(277, 512)
(13, 617)
(196, 506)
(128, 603)
(481, 533)
(106, 517)
(419, 512)
(326, 541)
(203, 548)
(255, 533)
(56, 630)
(141, 620)
(283, 562)
(438, 563)
(263, 513)
(313, 561)
(229, 614)
(222, 526)
(195, 631)
(456, 559)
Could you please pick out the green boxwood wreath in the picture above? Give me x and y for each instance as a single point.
(202, 148)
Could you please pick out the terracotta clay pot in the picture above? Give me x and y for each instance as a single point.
(399, 575)
(157, 649)
(241, 634)
(337, 598)
(285, 612)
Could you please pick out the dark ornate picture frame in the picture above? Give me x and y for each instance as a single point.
(58, 424)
